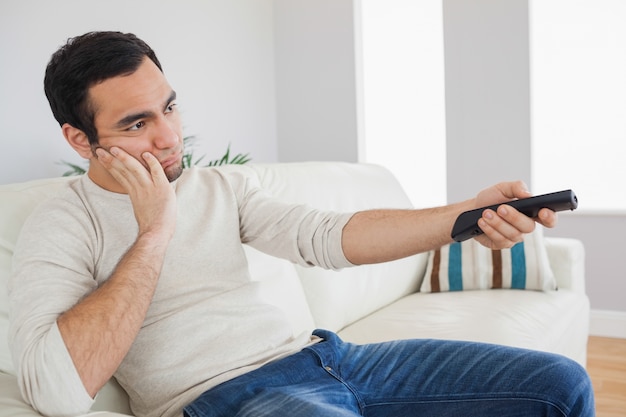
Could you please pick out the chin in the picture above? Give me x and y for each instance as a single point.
(173, 172)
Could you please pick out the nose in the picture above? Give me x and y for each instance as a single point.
(166, 134)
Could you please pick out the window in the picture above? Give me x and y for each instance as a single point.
(578, 99)
(403, 94)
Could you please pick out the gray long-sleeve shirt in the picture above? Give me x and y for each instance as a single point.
(206, 323)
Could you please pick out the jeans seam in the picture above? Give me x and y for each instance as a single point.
(189, 412)
(460, 399)
(329, 370)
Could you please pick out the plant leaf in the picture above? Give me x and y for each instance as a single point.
(73, 169)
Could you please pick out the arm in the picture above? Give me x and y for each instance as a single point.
(384, 235)
(99, 330)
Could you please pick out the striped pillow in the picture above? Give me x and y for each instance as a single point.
(471, 266)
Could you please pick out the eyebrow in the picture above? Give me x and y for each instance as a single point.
(129, 119)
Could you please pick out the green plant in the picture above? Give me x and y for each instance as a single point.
(188, 159)
(238, 159)
(73, 169)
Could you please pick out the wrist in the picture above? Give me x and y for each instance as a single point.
(156, 240)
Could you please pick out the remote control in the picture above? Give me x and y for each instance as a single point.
(466, 225)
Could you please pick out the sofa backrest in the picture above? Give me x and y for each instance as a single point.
(338, 298)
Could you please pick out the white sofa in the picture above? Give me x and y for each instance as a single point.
(363, 304)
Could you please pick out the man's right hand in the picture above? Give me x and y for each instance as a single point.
(152, 196)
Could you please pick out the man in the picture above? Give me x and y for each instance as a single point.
(137, 271)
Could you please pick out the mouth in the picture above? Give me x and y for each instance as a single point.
(169, 161)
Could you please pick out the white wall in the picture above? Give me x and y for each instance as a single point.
(315, 80)
(217, 54)
(487, 94)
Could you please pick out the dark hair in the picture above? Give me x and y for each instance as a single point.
(84, 61)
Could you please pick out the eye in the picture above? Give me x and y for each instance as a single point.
(170, 108)
(137, 126)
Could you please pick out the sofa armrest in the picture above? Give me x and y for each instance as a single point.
(567, 260)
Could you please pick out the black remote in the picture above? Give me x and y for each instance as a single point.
(466, 225)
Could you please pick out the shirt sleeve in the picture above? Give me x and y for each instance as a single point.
(51, 274)
(296, 232)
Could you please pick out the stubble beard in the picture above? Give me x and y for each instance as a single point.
(173, 172)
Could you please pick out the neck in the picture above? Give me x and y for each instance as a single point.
(101, 177)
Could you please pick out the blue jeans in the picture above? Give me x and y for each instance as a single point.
(404, 378)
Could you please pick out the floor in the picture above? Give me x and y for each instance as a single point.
(606, 364)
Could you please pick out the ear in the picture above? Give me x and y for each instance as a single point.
(78, 140)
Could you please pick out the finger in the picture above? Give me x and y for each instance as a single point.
(518, 221)
(520, 190)
(505, 227)
(498, 230)
(129, 163)
(112, 165)
(126, 170)
(504, 191)
(154, 166)
(547, 217)
(493, 239)
(516, 189)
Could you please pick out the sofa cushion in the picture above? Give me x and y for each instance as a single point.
(552, 321)
(469, 265)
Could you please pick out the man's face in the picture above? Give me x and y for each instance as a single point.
(137, 113)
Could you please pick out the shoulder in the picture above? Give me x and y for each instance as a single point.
(54, 214)
(216, 174)
(64, 201)
(21, 201)
(231, 178)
